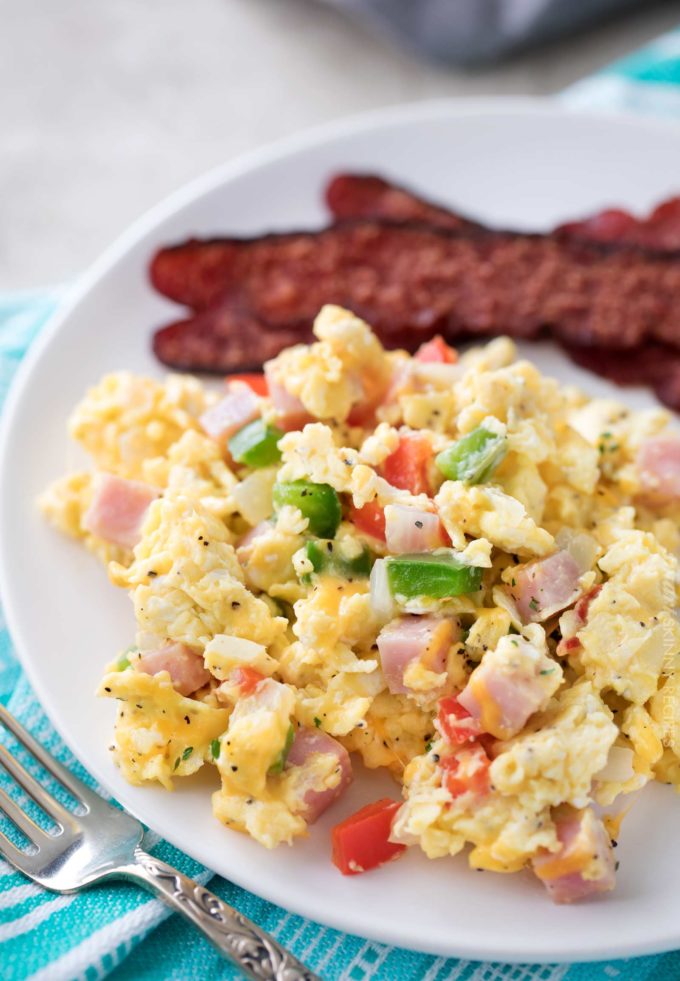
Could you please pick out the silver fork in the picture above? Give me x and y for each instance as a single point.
(100, 842)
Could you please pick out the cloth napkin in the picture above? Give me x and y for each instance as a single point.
(120, 932)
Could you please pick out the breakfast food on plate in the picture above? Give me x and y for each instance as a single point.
(370, 196)
(409, 281)
(648, 363)
(451, 568)
(605, 285)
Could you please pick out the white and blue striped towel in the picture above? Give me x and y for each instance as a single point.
(120, 932)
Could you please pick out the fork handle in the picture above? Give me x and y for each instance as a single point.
(255, 952)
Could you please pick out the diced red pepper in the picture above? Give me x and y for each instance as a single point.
(407, 468)
(436, 350)
(362, 414)
(583, 605)
(257, 382)
(467, 771)
(370, 519)
(450, 710)
(247, 679)
(362, 841)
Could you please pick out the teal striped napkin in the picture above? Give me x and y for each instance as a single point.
(120, 932)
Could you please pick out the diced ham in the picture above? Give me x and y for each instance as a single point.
(585, 863)
(412, 530)
(238, 407)
(658, 462)
(307, 742)
(513, 701)
(290, 412)
(545, 587)
(118, 509)
(183, 664)
(511, 683)
(427, 639)
(260, 529)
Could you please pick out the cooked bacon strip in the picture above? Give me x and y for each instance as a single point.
(659, 230)
(409, 282)
(370, 196)
(220, 341)
(656, 365)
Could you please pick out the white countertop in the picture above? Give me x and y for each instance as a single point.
(106, 107)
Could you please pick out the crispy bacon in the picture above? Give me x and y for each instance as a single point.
(411, 281)
(659, 230)
(656, 365)
(437, 271)
(370, 196)
(653, 364)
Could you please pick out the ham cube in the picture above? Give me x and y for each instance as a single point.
(306, 744)
(183, 664)
(290, 412)
(239, 407)
(118, 509)
(545, 587)
(427, 639)
(409, 530)
(658, 462)
(584, 865)
(511, 683)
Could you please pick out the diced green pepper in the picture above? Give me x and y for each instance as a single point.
(329, 556)
(280, 761)
(256, 445)
(473, 458)
(215, 748)
(435, 574)
(317, 502)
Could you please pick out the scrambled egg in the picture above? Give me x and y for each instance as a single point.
(272, 627)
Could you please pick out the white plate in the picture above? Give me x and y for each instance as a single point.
(515, 163)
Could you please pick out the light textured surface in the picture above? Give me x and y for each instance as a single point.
(106, 107)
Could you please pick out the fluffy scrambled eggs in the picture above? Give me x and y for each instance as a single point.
(450, 567)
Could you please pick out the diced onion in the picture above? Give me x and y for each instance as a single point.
(619, 766)
(382, 602)
(253, 496)
(582, 547)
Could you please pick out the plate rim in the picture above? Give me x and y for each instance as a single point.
(184, 195)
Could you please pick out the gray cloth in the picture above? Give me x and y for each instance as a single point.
(473, 31)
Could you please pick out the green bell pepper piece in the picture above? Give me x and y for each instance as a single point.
(435, 574)
(256, 445)
(280, 761)
(473, 458)
(317, 502)
(327, 556)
